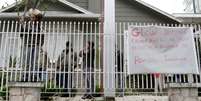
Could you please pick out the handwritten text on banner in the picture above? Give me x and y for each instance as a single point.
(154, 49)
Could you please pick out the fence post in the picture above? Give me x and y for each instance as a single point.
(25, 91)
(109, 48)
(183, 92)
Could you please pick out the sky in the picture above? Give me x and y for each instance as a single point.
(170, 6)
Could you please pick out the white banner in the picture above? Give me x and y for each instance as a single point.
(154, 49)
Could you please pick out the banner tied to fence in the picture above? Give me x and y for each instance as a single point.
(157, 49)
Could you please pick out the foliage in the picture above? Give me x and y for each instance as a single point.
(48, 91)
(2, 78)
(12, 62)
(98, 92)
(26, 4)
(3, 90)
(98, 88)
(50, 87)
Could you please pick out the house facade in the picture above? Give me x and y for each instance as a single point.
(86, 16)
(77, 22)
(126, 11)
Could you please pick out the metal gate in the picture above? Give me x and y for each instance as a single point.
(68, 58)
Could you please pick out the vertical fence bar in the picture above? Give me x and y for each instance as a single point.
(41, 59)
(99, 54)
(73, 72)
(95, 60)
(40, 52)
(196, 36)
(26, 62)
(190, 76)
(125, 28)
(35, 46)
(118, 33)
(70, 54)
(45, 57)
(48, 45)
(199, 35)
(67, 35)
(123, 75)
(64, 32)
(77, 55)
(36, 52)
(92, 69)
(30, 48)
(63, 55)
(85, 67)
(7, 65)
(22, 48)
(116, 48)
(55, 24)
(51, 31)
(76, 46)
(17, 51)
(10, 60)
(81, 54)
(64, 66)
(59, 67)
(3, 70)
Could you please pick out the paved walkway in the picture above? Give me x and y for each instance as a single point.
(127, 98)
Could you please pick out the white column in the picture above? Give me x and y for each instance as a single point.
(109, 48)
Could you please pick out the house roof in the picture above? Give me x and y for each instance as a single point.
(88, 13)
(157, 10)
(53, 14)
(78, 8)
(9, 6)
(75, 7)
(189, 17)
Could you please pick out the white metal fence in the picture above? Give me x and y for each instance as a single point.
(55, 53)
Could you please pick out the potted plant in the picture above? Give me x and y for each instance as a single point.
(98, 91)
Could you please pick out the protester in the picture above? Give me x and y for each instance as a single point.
(88, 55)
(65, 64)
(120, 73)
(32, 39)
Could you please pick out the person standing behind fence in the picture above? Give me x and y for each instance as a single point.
(44, 62)
(65, 65)
(120, 73)
(88, 55)
(32, 42)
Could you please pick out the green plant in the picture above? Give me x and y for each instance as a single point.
(50, 87)
(12, 61)
(48, 91)
(98, 89)
(3, 88)
(3, 92)
(2, 78)
(98, 92)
